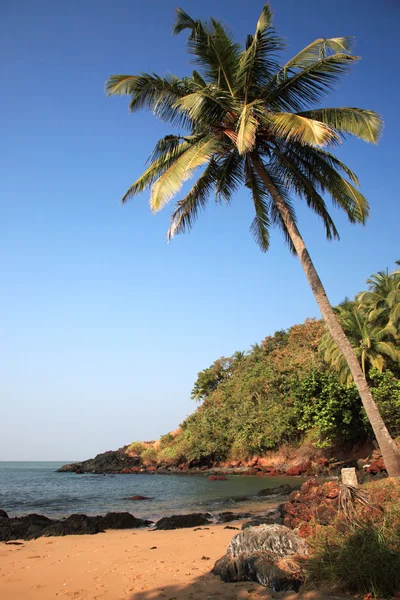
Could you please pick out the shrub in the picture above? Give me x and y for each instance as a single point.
(365, 559)
(149, 456)
(136, 448)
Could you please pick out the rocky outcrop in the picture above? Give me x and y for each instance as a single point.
(265, 554)
(3, 514)
(183, 521)
(274, 518)
(113, 461)
(33, 526)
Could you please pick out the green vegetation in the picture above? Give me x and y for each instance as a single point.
(361, 556)
(249, 120)
(283, 391)
(136, 448)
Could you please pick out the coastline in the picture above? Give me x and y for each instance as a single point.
(127, 565)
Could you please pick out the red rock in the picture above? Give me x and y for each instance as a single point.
(151, 469)
(305, 530)
(298, 469)
(323, 461)
(217, 478)
(376, 466)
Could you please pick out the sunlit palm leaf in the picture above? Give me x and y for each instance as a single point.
(171, 181)
(364, 124)
(301, 129)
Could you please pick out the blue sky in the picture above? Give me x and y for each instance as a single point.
(105, 325)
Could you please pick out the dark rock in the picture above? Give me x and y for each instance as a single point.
(3, 514)
(227, 516)
(137, 498)
(230, 527)
(254, 555)
(113, 461)
(273, 519)
(73, 525)
(22, 528)
(122, 520)
(34, 526)
(280, 490)
(182, 521)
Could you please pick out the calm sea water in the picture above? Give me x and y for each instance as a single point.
(27, 487)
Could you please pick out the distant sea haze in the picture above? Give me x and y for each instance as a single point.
(27, 487)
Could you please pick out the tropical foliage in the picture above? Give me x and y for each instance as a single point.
(283, 391)
(371, 324)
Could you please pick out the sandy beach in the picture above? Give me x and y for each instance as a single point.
(125, 565)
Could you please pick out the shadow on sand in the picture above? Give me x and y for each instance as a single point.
(210, 587)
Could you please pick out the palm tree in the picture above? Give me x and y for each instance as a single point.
(373, 343)
(249, 120)
(382, 300)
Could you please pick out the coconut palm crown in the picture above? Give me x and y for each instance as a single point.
(247, 116)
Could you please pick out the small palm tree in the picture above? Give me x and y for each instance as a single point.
(248, 120)
(382, 300)
(373, 343)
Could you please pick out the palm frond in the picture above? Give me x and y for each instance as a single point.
(316, 51)
(187, 210)
(171, 181)
(157, 168)
(261, 224)
(229, 176)
(247, 128)
(212, 47)
(299, 183)
(301, 129)
(120, 85)
(258, 62)
(364, 124)
(309, 85)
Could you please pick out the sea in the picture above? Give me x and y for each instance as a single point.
(36, 487)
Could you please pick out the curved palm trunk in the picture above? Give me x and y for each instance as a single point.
(388, 447)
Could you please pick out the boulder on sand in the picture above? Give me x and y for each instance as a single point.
(261, 554)
(182, 521)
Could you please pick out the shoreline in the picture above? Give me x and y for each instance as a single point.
(127, 565)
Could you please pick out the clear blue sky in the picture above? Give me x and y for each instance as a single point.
(104, 325)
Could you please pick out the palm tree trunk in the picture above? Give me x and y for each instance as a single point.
(388, 447)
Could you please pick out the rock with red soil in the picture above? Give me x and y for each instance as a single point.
(376, 466)
(298, 469)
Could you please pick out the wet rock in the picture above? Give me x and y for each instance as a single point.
(227, 516)
(183, 521)
(22, 527)
(137, 498)
(280, 490)
(73, 525)
(34, 526)
(217, 478)
(122, 520)
(272, 519)
(257, 553)
(3, 514)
